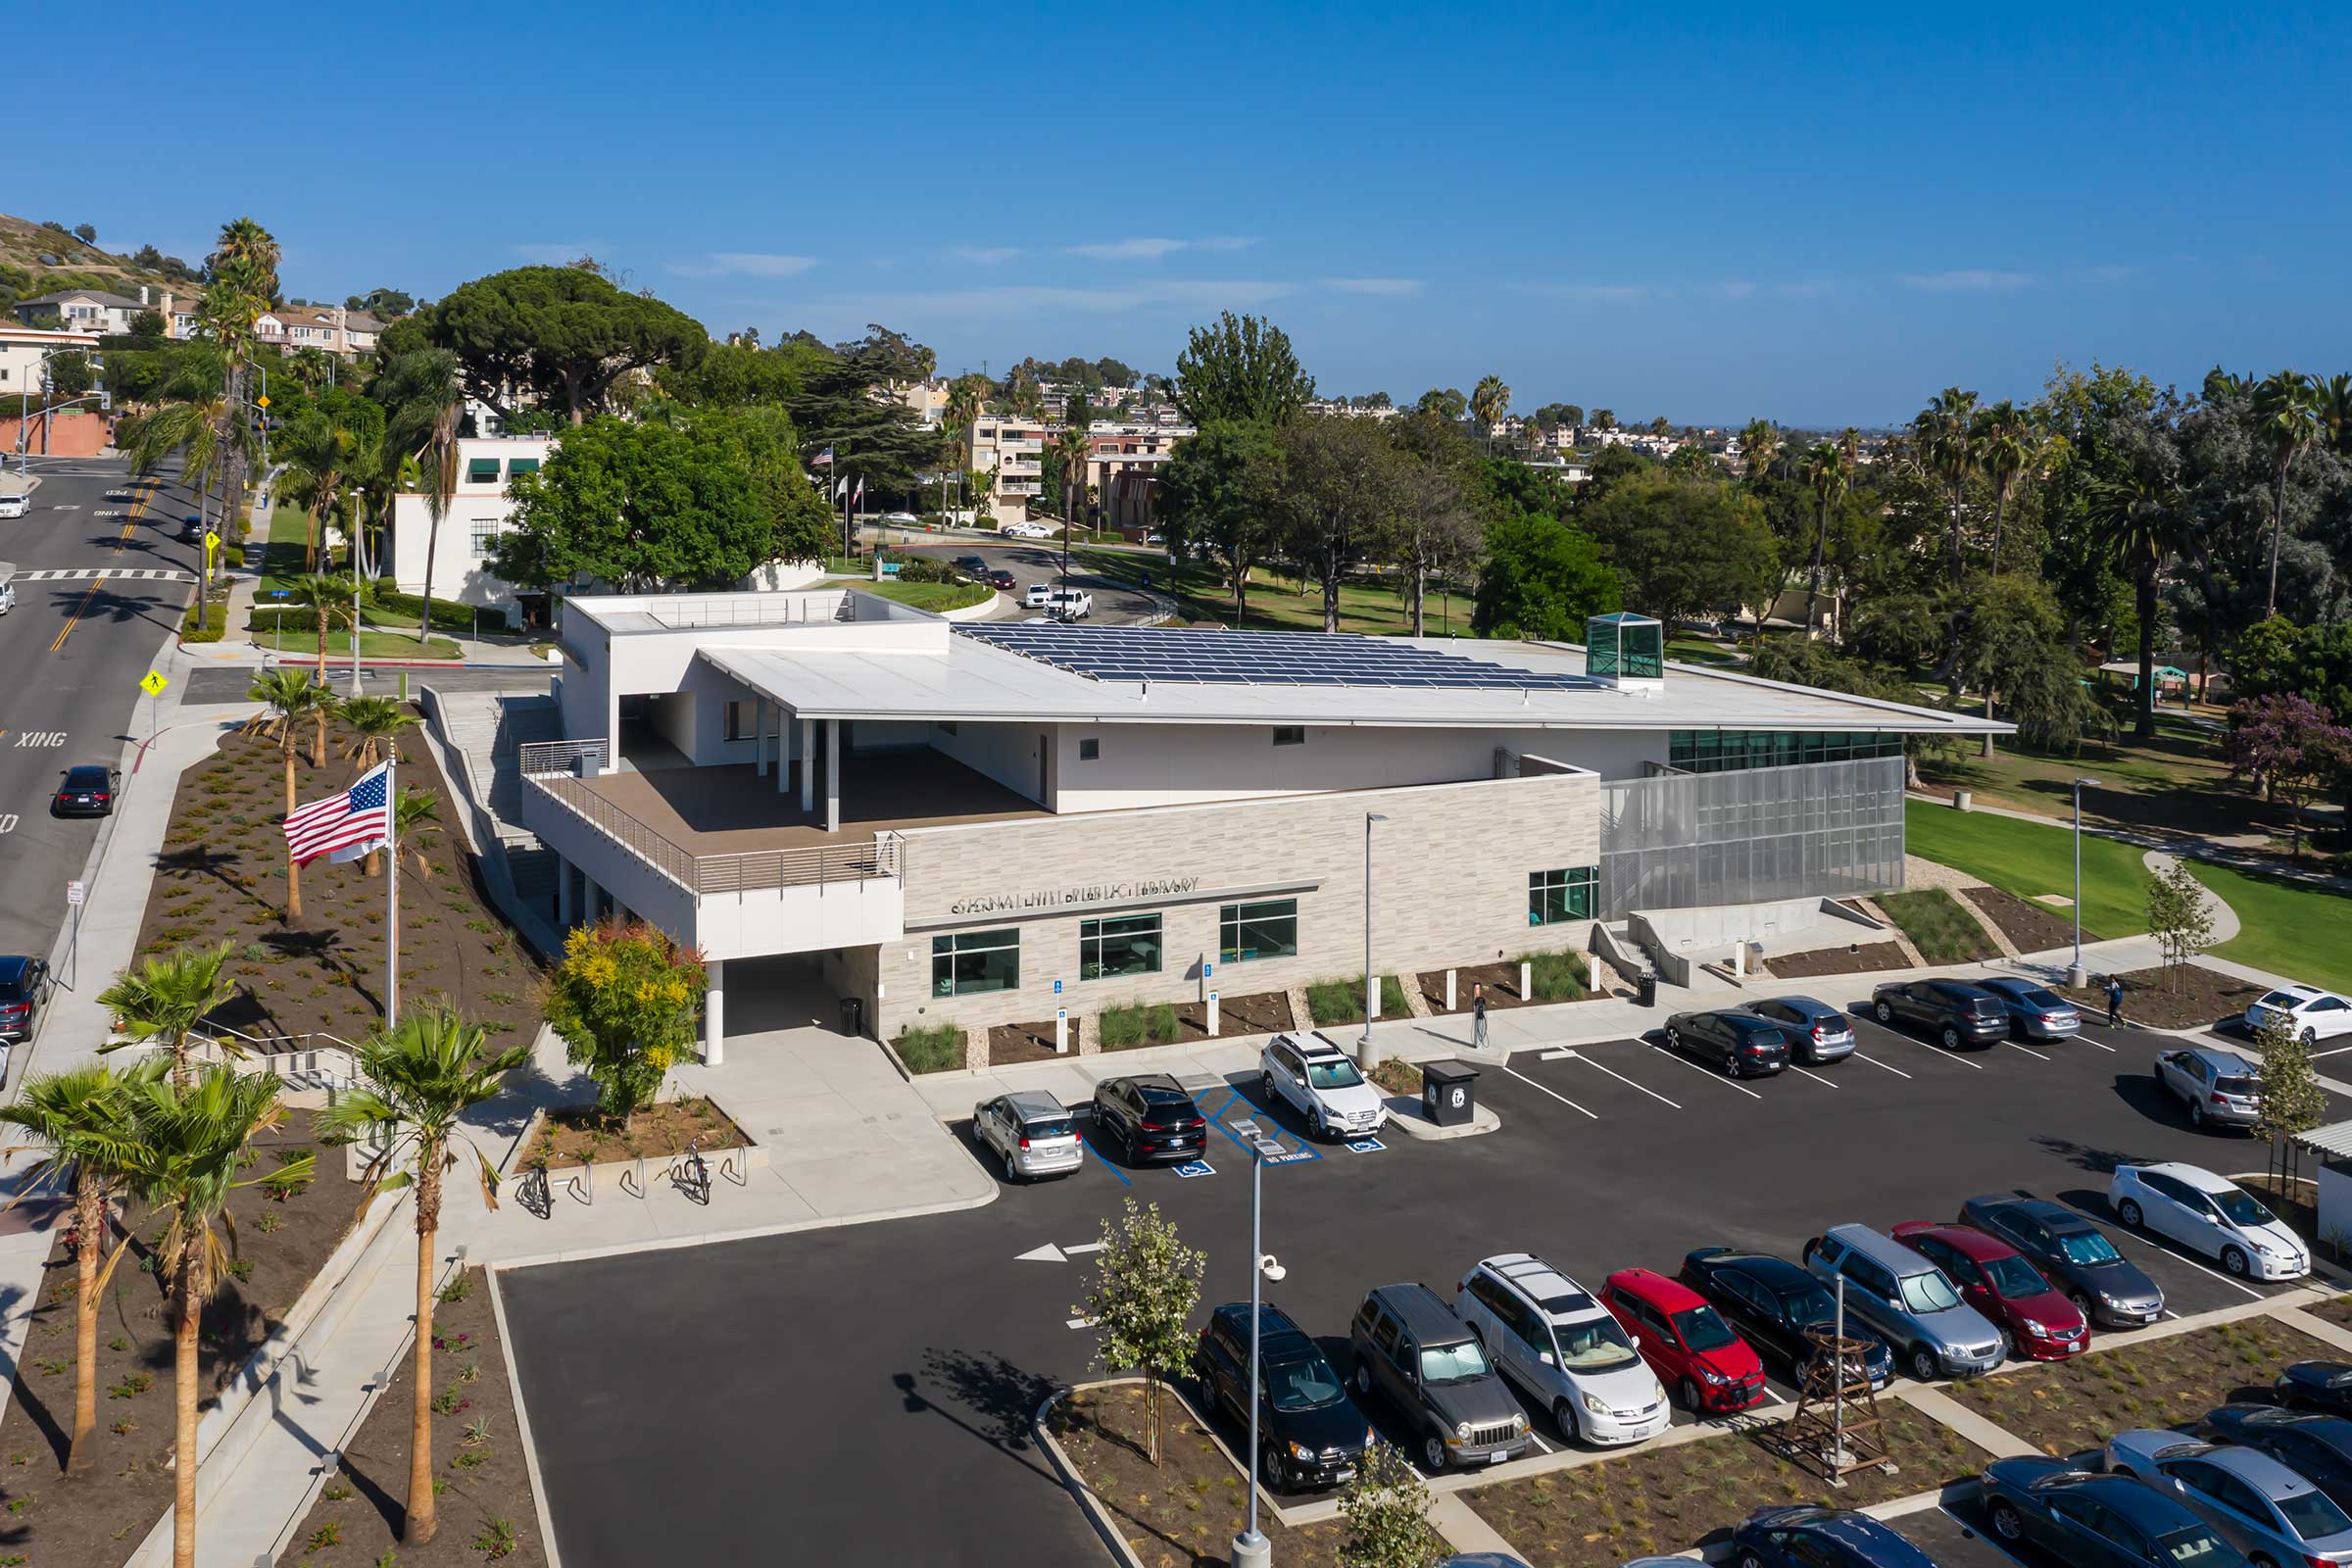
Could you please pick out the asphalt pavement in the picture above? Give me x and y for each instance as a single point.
(1039, 560)
(852, 1360)
(72, 652)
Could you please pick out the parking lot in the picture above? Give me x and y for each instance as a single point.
(918, 1350)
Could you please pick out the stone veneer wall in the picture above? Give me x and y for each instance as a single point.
(1450, 869)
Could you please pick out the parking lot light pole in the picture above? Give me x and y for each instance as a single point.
(1250, 1548)
(1366, 1051)
(2076, 975)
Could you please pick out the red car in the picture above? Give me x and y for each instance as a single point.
(2037, 1320)
(1686, 1342)
(1002, 582)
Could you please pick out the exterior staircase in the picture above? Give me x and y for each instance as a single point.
(485, 731)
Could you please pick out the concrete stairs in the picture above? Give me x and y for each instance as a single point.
(485, 732)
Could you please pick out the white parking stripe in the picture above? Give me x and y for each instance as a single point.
(1532, 1084)
(1623, 1079)
(2333, 1050)
(2085, 1034)
(1728, 1083)
(1816, 1077)
(2178, 1256)
(1936, 1051)
(1537, 1438)
(1876, 1062)
(2014, 1046)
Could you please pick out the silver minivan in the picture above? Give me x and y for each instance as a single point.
(1908, 1300)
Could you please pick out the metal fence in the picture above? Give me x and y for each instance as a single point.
(852, 860)
(538, 757)
(1834, 829)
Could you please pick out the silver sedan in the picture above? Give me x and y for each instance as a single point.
(1032, 1133)
(2035, 1011)
(2260, 1506)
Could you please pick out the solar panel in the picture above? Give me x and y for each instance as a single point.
(1258, 658)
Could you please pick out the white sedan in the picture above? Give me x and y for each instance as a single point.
(1026, 530)
(2209, 1214)
(2304, 1011)
(1318, 1081)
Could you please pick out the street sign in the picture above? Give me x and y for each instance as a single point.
(76, 893)
(1058, 988)
(261, 402)
(153, 683)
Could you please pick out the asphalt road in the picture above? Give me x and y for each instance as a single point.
(1039, 560)
(72, 652)
(776, 1387)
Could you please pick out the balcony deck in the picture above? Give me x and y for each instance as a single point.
(733, 810)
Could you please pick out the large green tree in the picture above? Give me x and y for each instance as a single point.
(1240, 368)
(1543, 578)
(1338, 499)
(1216, 500)
(561, 337)
(1683, 545)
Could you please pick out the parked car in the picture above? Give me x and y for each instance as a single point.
(1431, 1369)
(1318, 1079)
(1070, 604)
(1002, 582)
(1033, 1134)
(1819, 1032)
(14, 504)
(2074, 1253)
(1038, 595)
(1546, 1334)
(2210, 1214)
(2217, 1086)
(2035, 1011)
(1026, 530)
(1742, 1044)
(2259, 1505)
(191, 527)
(2036, 1319)
(1806, 1536)
(25, 990)
(973, 566)
(8, 596)
(1908, 1300)
(1309, 1432)
(2305, 1011)
(899, 519)
(1776, 1305)
(1686, 1342)
(1149, 1117)
(87, 790)
(1953, 1011)
(2089, 1520)
(2321, 1386)
(2318, 1447)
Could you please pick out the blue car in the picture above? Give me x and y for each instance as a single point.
(2089, 1520)
(1801, 1536)
(2035, 1011)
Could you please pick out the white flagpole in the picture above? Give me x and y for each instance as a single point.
(392, 887)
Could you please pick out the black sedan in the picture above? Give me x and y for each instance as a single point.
(1149, 1117)
(2321, 1386)
(2075, 1254)
(1309, 1432)
(1773, 1303)
(2097, 1520)
(1741, 1042)
(88, 790)
(1804, 1536)
(2317, 1447)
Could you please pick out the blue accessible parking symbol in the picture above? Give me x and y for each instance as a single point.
(1365, 1145)
(1196, 1167)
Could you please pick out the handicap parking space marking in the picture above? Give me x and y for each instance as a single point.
(1300, 1154)
(1367, 1145)
(1876, 1062)
(1621, 1078)
(1196, 1167)
(1103, 1161)
(1673, 1056)
(1543, 1089)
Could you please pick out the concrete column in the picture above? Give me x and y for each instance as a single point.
(832, 775)
(760, 737)
(589, 897)
(808, 749)
(563, 905)
(783, 751)
(715, 1011)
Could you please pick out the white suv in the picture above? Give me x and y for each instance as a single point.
(2304, 1011)
(1316, 1078)
(1546, 1334)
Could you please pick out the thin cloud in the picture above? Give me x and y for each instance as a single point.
(2108, 272)
(987, 255)
(1967, 281)
(1591, 293)
(1804, 291)
(1382, 288)
(1226, 242)
(742, 264)
(1735, 288)
(1027, 300)
(555, 251)
(1125, 250)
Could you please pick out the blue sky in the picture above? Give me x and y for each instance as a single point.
(1712, 214)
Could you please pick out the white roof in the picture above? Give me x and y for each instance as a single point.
(2196, 1176)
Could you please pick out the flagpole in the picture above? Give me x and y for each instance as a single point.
(392, 887)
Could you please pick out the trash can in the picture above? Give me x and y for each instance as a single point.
(1646, 988)
(1449, 1093)
(853, 1015)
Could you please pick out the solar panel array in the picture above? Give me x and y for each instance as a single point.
(1257, 659)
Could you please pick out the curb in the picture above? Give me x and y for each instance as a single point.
(522, 1423)
(1087, 1503)
(664, 1244)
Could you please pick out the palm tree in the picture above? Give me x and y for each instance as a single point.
(381, 473)
(1828, 472)
(288, 697)
(427, 397)
(328, 597)
(320, 452)
(1946, 429)
(2335, 411)
(2287, 409)
(245, 242)
(314, 367)
(1073, 448)
(422, 1075)
(187, 1146)
(2139, 519)
(1488, 401)
(165, 999)
(77, 1120)
(1759, 444)
(373, 722)
(196, 418)
(2004, 442)
(416, 822)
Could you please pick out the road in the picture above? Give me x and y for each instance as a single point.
(73, 650)
(1039, 560)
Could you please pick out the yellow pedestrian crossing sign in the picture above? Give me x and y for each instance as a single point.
(262, 401)
(154, 683)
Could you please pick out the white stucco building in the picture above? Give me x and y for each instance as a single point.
(477, 513)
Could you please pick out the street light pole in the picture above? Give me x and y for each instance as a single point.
(1250, 1548)
(1366, 1051)
(2076, 975)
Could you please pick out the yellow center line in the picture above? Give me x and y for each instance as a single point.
(78, 609)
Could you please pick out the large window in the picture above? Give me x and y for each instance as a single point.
(969, 963)
(1118, 944)
(1266, 929)
(1556, 896)
(1730, 751)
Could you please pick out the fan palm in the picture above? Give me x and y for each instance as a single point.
(415, 823)
(2004, 444)
(165, 999)
(1826, 473)
(2335, 411)
(373, 721)
(1947, 446)
(287, 695)
(2286, 407)
(75, 1121)
(1073, 448)
(187, 1146)
(1490, 400)
(428, 398)
(320, 451)
(2140, 522)
(243, 240)
(328, 597)
(422, 1075)
(1759, 444)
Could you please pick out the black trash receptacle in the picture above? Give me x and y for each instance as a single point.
(853, 1015)
(1648, 988)
(1449, 1093)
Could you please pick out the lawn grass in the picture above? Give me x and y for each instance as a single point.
(1277, 603)
(376, 642)
(2178, 782)
(1698, 651)
(2026, 859)
(1941, 930)
(281, 555)
(2302, 932)
(932, 596)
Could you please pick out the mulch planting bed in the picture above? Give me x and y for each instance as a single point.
(578, 1133)
(2029, 927)
(2187, 997)
(1025, 1042)
(1861, 959)
(2336, 1310)
(1185, 1511)
(1662, 1500)
(1501, 981)
(221, 877)
(487, 1511)
(96, 1520)
(2065, 1406)
(1258, 1013)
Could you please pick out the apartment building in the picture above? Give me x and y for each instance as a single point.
(1014, 449)
(477, 514)
(1123, 466)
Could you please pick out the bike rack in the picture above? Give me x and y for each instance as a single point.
(632, 1180)
(731, 1165)
(583, 1186)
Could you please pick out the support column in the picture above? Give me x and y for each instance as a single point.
(715, 1011)
(563, 905)
(783, 751)
(760, 737)
(591, 899)
(807, 772)
(832, 775)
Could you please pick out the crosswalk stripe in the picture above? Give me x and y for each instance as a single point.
(84, 574)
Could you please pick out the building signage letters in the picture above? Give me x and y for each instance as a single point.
(1076, 895)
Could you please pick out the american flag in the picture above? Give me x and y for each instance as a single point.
(823, 460)
(345, 825)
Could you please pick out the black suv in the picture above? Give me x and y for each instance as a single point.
(1736, 1040)
(23, 992)
(1309, 1432)
(2075, 1253)
(1149, 1116)
(1773, 1304)
(1954, 1011)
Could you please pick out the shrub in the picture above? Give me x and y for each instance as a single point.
(1137, 1023)
(1331, 1002)
(626, 999)
(935, 1049)
(1556, 976)
(1938, 927)
(212, 626)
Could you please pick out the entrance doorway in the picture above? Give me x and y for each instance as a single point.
(791, 991)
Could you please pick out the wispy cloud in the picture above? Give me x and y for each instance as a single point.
(1226, 242)
(1735, 288)
(1382, 288)
(985, 255)
(1153, 250)
(1012, 300)
(555, 251)
(742, 264)
(1967, 281)
(1592, 293)
(1812, 290)
(2107, 272)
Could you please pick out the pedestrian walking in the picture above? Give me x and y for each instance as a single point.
(1478, 1016)
(2114, 1002)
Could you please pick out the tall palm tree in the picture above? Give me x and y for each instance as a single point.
(422, 1075)
(245, 242)
(328, 597)
(374, 722)
(1073, 448)
(1947, 430)
(427, 399)
(2335, 411)
(195, 419)
(1826, 473)
(1490, 400)
(2140, 523)
(319, 452)
(381, 473)
(2286, 407)
(287, 697)
(415, 823)
(77, 1121)
(165, 999)
(187, 1146)
(2004, 443)
(1759, 444)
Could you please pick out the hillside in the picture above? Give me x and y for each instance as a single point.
(35, 260)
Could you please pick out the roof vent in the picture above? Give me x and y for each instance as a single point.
(1627, 652)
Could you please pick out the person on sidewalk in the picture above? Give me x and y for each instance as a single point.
(2114, 1002)
(1478, 1016)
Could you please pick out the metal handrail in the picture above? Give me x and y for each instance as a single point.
(536, 758)
(745, 871)
(795, 608)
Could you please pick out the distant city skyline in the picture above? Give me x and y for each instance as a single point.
(1821, 218)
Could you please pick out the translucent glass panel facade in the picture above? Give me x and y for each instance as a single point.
(1832, 829)
(1722, 751)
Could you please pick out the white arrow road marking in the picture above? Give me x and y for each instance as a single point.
(1047, 1254)
(1083, 1322)
(1084, 1246)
